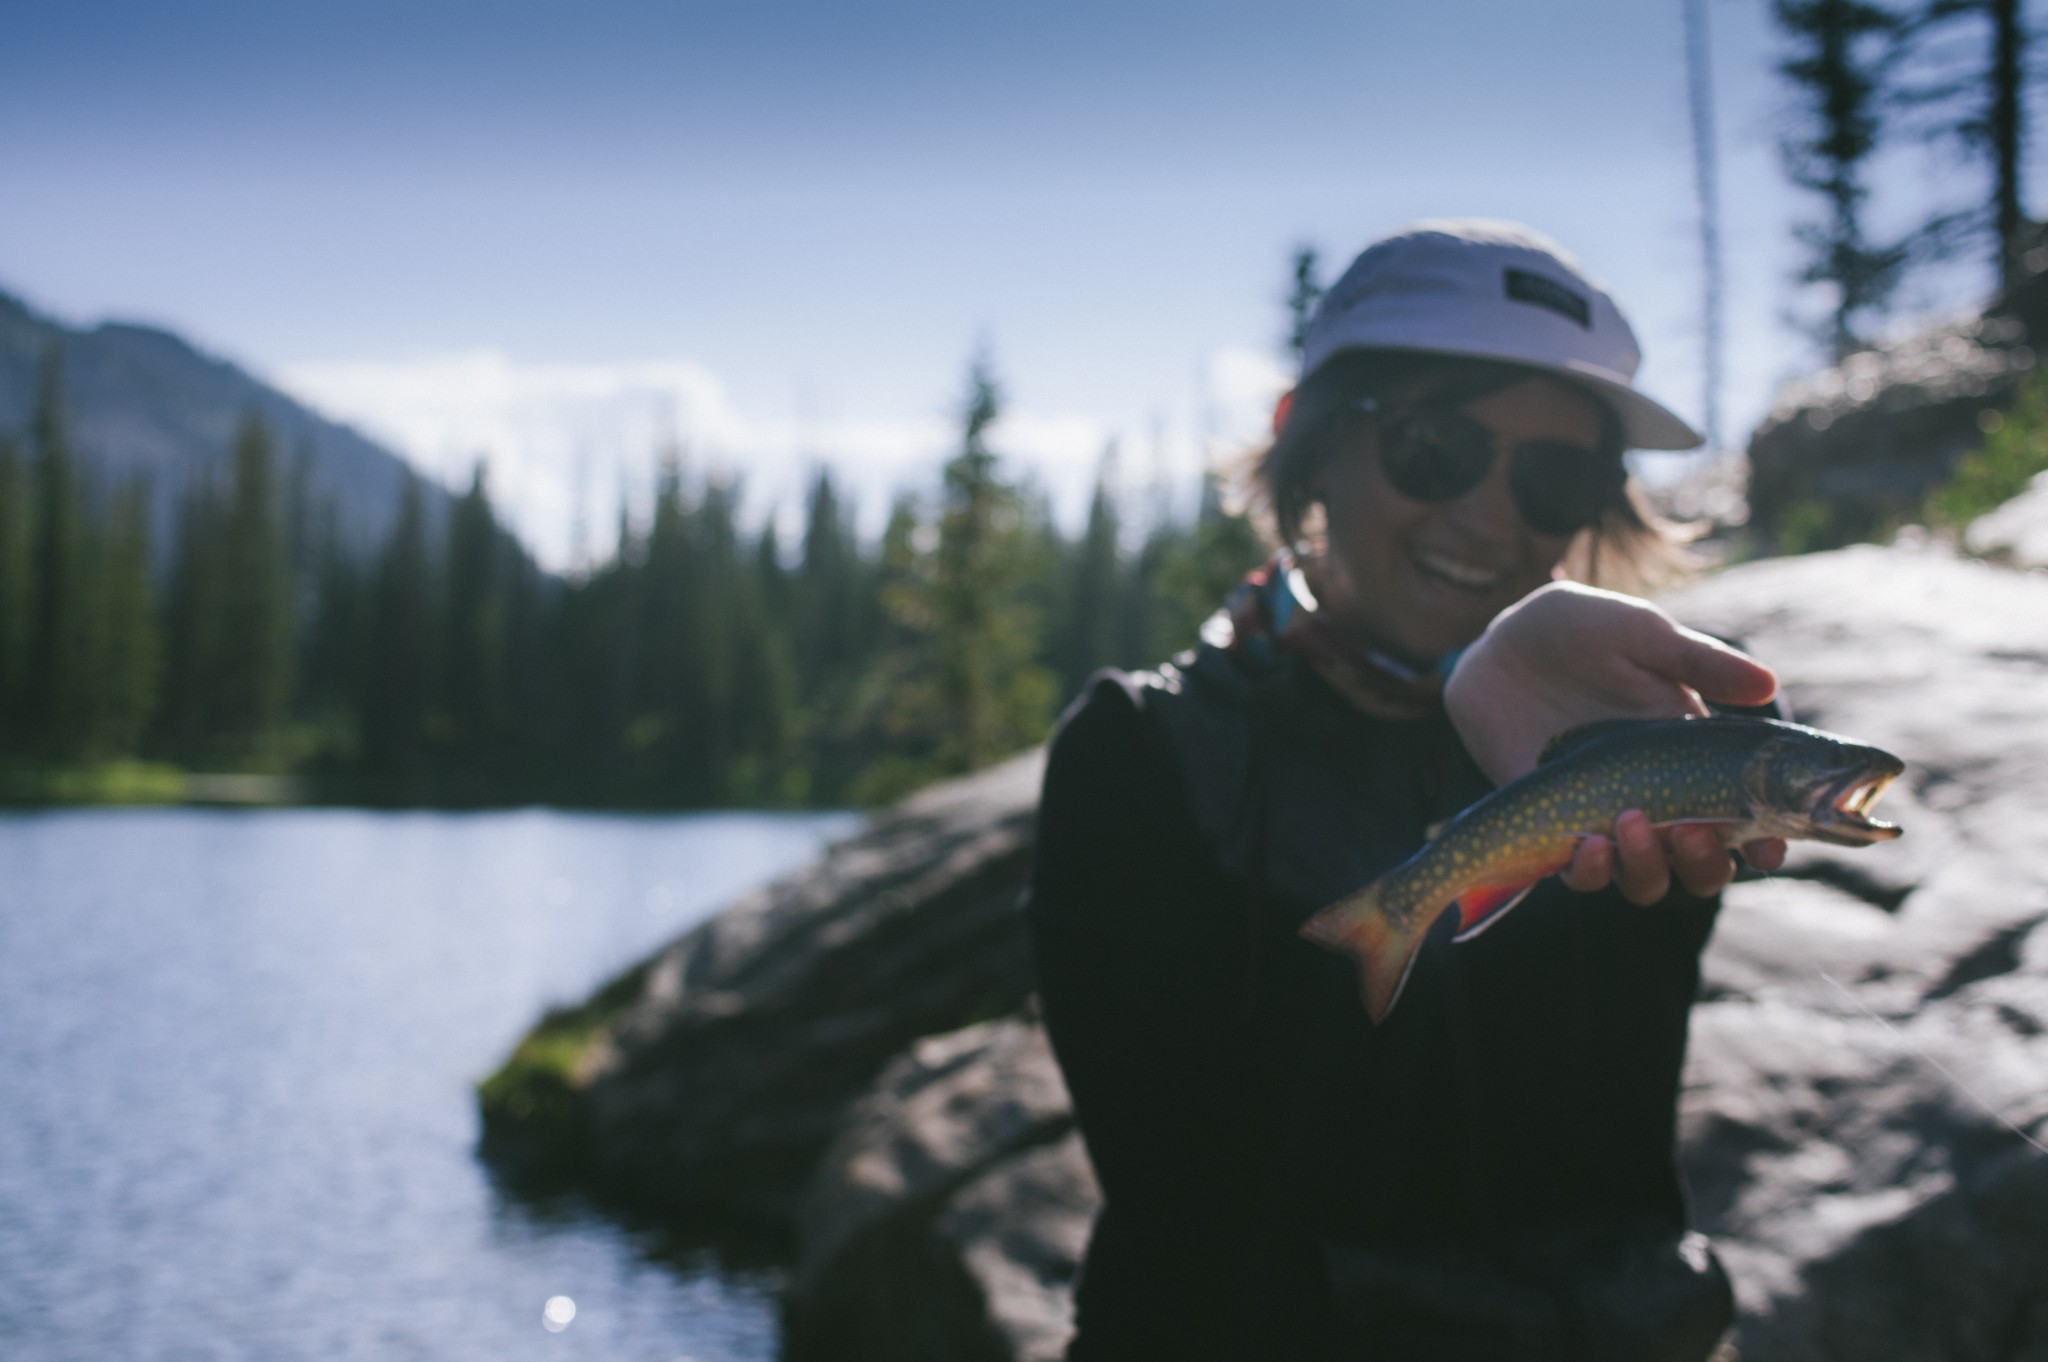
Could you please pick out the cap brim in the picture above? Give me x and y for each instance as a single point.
(1645, 424)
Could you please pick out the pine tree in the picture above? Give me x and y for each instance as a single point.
(1088, 632)
(1139, 607)
(334, 642)
(60, 649)
(678, 672)
(17, 596)
(1304, 293)
(875, 714)
(725, 613)
(191, 714)
(827, 617)
(1840, 57)
(126, 645)
(473, 636)
(993, 698)
(771, 578)
(581, 684)
(258, 629)
(1197, 569)
(1979, 102)
(399, 671)
(613, 637)
(762, 716)
(528, 598)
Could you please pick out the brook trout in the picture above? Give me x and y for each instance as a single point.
(1748, 778)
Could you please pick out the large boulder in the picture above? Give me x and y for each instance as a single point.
(1854, 450)
(705, 1083)
(948, 1218)
(1875, 1036)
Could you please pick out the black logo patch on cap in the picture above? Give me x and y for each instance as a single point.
(1525, 287)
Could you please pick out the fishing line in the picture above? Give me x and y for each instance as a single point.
(1946, 1072)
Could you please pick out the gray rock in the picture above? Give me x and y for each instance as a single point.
(1856, 448)
(1020, 1230)
(1876, 1018)
(709, 1079)
(949, 1217)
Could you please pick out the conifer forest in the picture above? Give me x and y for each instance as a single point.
(701, 664)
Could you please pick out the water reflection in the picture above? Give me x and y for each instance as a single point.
(236, 1053)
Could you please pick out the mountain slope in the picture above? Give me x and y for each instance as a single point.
(144, 403)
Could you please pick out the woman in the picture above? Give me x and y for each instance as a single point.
(1490, 1171)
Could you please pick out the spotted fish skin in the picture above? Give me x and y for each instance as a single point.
(1747, 778)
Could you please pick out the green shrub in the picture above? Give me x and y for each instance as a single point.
(2015, 450)
(1807, 525)
(532, 1107)
(104, 782)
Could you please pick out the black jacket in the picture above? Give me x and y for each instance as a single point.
(1246, 1120)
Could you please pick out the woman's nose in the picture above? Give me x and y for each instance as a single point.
(1487, 512)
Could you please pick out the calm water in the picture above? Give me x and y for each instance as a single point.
(236, 1058)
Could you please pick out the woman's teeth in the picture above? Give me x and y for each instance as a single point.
(1467, 575)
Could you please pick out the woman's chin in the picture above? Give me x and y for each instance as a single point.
(1436, 617)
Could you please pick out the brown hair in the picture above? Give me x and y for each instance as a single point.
(1629, 548)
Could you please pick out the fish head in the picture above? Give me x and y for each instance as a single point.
(1817, 786)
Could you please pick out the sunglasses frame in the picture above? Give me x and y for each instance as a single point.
(1532, 482)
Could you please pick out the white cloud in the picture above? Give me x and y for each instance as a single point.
(1247, 381)
(566, 443)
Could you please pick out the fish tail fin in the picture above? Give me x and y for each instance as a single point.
(1385, 943)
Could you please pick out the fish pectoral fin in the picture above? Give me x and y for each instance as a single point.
(1486, 904)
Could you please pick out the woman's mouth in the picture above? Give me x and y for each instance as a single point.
(1456, 572)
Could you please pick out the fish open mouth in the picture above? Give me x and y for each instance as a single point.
(1845, 813)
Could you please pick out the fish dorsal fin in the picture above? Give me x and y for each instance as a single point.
(1572, 739)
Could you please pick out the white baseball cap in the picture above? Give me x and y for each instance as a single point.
(1492, 290)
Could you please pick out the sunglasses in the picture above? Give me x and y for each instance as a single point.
(1437, 453)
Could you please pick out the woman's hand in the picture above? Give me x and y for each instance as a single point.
(1568, 655)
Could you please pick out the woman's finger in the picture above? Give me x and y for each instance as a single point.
(1641, 873)
(1766, 853)
(1699, 861)
(1717, 671)
(1592, 866)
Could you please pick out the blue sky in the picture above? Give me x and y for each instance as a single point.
(547, 231)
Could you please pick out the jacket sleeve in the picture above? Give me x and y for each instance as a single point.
(1139, 949)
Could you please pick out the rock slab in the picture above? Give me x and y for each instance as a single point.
(1853, 451)
(706, 1082)
(948, 1218)
(1875, 1036)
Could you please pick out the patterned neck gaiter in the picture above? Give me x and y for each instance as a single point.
(1275, 607)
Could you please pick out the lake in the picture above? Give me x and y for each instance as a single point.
(237, 1052)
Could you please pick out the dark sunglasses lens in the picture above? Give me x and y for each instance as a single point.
(1435, 458)
(1561, 488)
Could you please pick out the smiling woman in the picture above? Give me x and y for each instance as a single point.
(1491, 1173)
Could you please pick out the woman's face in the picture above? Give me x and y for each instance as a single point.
(1422, 578)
